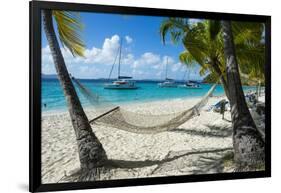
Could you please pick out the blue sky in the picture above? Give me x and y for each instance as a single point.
(143, 54)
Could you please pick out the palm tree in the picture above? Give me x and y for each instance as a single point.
(200, 45)
(204, 45)
(248, 144)
(91, 152)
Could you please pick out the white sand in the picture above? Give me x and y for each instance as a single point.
(179, 150)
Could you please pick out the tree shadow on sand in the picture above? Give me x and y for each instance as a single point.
(171, 156)
(183, 162)
(214, 131)
(205, 161)
(208, 165)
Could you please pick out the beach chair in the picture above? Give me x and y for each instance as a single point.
(216, 107)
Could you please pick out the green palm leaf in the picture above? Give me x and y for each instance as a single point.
(176, 26)
(204, 44)
(214, 27)
(69, 29)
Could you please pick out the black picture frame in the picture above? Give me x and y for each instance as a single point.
(35, 184)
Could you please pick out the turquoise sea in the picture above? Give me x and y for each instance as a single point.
(53, 98)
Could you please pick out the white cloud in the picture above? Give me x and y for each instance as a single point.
(97, 62)
(150, 58)
(128, 39)
(147, 59)
(104, 55)
(176, 66)
(158, 74)
(94, 56)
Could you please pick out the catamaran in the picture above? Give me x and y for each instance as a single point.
(168, 81)
(122, 82)
(190, 83)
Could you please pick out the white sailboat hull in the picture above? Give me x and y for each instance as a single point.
(121, 84)
(190, 87)
(113, 86)
(168, 84)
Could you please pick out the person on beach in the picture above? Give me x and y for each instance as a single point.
(222, 110)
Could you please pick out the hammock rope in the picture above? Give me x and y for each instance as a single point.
(120, 118)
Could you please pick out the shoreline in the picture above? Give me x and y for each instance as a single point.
(89, 107)
(129, 103)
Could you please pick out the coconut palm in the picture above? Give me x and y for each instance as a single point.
(200, 46)
(248, 144)
(91, 152)
(205, 45)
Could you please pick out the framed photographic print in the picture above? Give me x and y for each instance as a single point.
(124, 96)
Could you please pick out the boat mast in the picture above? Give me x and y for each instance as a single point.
(183, 78)
(167, 68)
(119, 58)
(188, 77)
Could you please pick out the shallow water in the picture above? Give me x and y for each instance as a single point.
(53, 98)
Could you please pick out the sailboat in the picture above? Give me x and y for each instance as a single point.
(122, 82)
(168, 81)
(191, 83)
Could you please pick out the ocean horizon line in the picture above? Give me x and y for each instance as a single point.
(54, 76)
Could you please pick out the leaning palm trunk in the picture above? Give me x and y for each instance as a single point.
(248, 144)
(224, 84)
(91, 152)
(217, 69)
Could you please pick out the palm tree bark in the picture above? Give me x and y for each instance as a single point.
(91, 151)
(247, 142)
(217, 69)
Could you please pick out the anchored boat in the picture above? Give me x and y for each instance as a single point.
(168, 81)
(122, 82)
(192, 84)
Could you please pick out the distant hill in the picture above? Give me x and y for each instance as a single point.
(213, 79)
(49, 76)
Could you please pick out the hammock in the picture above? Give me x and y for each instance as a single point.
(120, 118)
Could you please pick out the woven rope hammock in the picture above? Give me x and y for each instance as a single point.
(120, 118)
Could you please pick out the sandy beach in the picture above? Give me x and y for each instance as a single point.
(195, 147)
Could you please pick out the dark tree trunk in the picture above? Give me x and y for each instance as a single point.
(247, 142)
(222, 79)
(91, 152)
(225, 87)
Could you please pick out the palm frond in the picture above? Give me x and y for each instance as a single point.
(69, 29)
(186, 58)
(204, 70)
(196, 46)
(176, 36)
(214, 27)
(176, 26)
(250, 48)
(247, 31)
